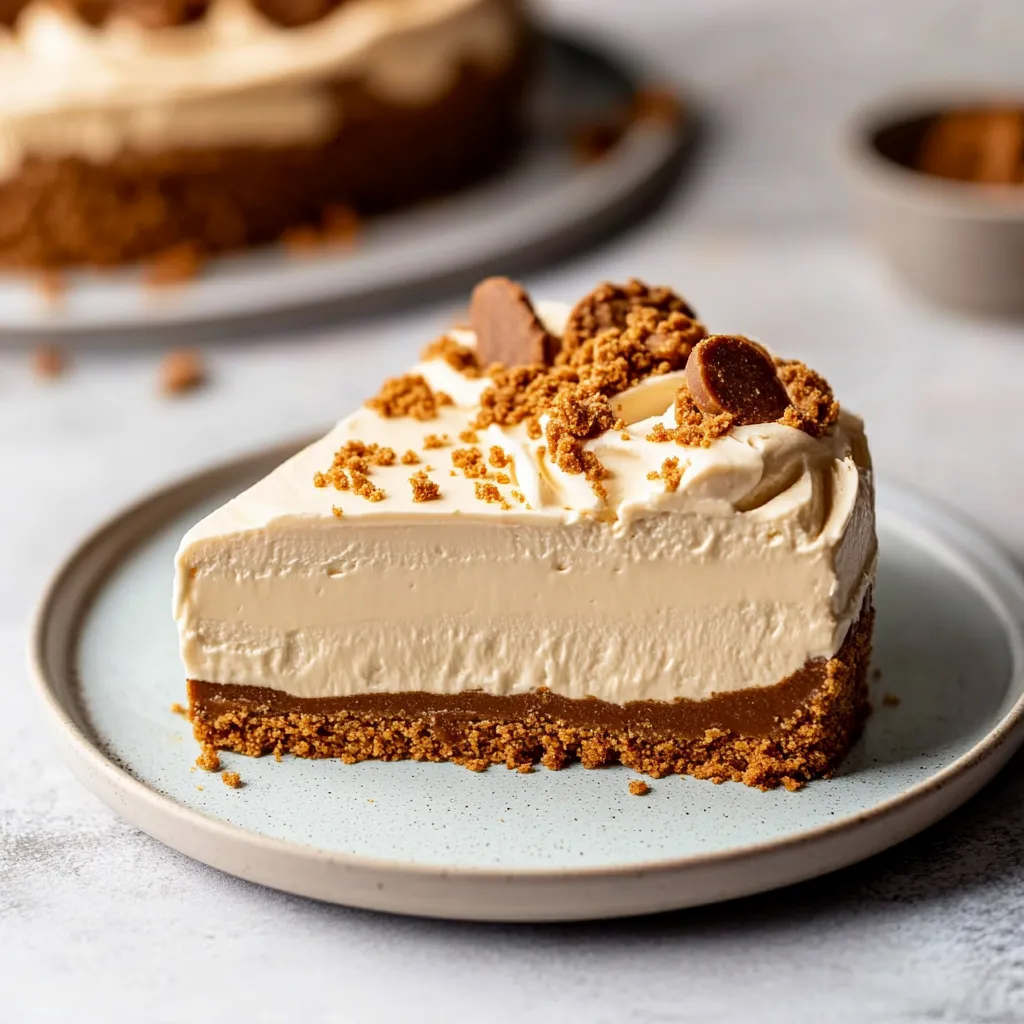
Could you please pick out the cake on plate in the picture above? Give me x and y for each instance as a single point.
(596, 533)
(132, 127)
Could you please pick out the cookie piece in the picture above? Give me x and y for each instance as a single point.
(508, 331)
(609, 305)
(729, 374)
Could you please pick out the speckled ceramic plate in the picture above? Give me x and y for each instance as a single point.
(543, 205)
(439, 840)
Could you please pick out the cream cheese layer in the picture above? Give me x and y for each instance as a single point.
(758, 561)
(231, 78)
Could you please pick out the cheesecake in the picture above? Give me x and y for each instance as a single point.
(595, 533)
(139, 129)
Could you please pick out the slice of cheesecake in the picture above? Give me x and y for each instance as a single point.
(595, 534)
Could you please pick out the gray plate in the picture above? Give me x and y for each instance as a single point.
(440, 840)
(541, 207)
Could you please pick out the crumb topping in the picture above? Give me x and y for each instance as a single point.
(698, 429)
(408, 395)
(231, 779)
(616, 337)
(638, 787)
(423, 488)
(459, 357)
(813, 407)
(489, 493)
(670, 473)
(497, 457)
(633, 341)
(350, 470)
(470, 461)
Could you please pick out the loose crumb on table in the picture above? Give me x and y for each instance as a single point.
(232, 779)
(181, 370)
(639, 788)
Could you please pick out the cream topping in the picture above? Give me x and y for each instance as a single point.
(232, 77)
(758, 561)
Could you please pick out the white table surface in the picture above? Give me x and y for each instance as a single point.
(100, 923)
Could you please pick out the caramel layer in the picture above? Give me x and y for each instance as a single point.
(751, 712)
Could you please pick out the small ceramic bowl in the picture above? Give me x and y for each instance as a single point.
(958, 243)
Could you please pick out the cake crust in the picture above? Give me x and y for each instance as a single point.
(798, 730)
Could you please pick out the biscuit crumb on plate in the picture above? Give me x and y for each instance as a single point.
(639, 788)
(208, 759)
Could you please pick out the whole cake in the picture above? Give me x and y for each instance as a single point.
(131, 127)
(595, 533)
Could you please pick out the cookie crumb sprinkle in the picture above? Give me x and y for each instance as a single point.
(459, 357)
(670, 473)
(351, 468)
(408, 395)
(410, 458)
(423, 488)
(231, 779)
(431, 441)
(639, 788)
(491, 494)
(498, 458)
(813, 408)
(471, 462)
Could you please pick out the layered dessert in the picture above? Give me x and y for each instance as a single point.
(596, 533)
(131, 127)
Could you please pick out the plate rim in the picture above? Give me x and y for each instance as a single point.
(993, 564)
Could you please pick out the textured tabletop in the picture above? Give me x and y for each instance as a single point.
(100, 923)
